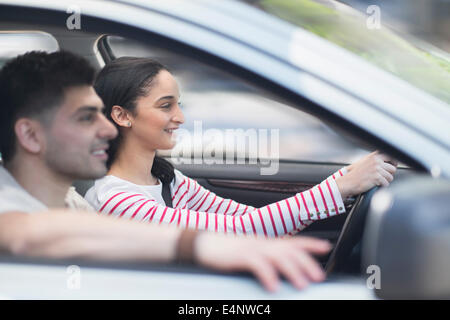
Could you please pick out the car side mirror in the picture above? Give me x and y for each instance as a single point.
(407, 239)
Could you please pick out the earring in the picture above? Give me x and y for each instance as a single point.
(129, 124)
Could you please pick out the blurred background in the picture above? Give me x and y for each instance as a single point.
(427, 20)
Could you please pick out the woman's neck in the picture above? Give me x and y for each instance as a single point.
(134, 163)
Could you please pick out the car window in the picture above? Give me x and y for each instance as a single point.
(220, 109)
(348, 29)
(15, 43)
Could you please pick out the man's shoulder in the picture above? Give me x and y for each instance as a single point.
(15, 198)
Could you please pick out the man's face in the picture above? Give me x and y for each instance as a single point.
(78, 136)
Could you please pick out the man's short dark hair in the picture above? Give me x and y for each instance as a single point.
(33, 84)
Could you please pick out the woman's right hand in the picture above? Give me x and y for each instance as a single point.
(375, 169)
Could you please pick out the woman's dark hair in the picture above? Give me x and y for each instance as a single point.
(122, 82)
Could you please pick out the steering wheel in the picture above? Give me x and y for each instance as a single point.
(349, 240)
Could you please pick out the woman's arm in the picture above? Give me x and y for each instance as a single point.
(280, 218)
(284, 217)
(188, 194)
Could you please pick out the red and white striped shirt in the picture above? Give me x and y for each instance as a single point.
(198, 208)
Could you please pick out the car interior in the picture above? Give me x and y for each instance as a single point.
(104, 41)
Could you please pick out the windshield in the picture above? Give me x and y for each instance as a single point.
(347, 28)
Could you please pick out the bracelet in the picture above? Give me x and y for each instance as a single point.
(185, 247)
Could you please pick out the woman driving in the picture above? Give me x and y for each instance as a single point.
(141, 98)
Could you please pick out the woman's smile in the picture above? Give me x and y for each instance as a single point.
(170, 130)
